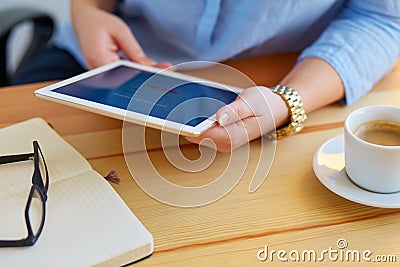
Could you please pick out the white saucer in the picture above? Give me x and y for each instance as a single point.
(328, 165)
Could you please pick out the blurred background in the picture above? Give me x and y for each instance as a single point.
(19, 38)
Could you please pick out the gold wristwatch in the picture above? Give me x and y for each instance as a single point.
(296, 111)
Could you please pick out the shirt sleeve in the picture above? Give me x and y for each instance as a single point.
(361, 44)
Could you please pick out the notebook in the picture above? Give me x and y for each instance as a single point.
(87, 223)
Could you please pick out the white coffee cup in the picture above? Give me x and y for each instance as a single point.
(371, 166)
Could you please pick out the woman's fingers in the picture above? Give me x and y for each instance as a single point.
(231, 136)
(250, 103)
(245, 119)
(124, 38)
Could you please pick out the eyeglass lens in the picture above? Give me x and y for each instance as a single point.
(13, 225)
(36, 211)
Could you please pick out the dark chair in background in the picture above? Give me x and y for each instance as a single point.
(43, 26)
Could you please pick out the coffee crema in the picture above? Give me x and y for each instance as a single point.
(379, 132)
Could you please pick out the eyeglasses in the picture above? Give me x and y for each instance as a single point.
(35, 209)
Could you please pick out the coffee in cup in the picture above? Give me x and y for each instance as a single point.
(379, 132)
(372, 148)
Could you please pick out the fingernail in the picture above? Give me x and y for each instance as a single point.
(223, 119)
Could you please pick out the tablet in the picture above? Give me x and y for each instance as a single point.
(145, 95)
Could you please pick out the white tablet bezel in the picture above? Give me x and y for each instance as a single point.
(122, 114)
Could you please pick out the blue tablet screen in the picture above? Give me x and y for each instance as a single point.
(144, 92)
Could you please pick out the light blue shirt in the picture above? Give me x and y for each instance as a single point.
(359, 38)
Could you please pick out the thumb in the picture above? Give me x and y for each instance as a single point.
(235, 111)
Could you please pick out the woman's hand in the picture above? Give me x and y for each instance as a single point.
(252, 114)
(249, 117)
(102, 35)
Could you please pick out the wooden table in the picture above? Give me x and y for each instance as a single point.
(291, 211)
